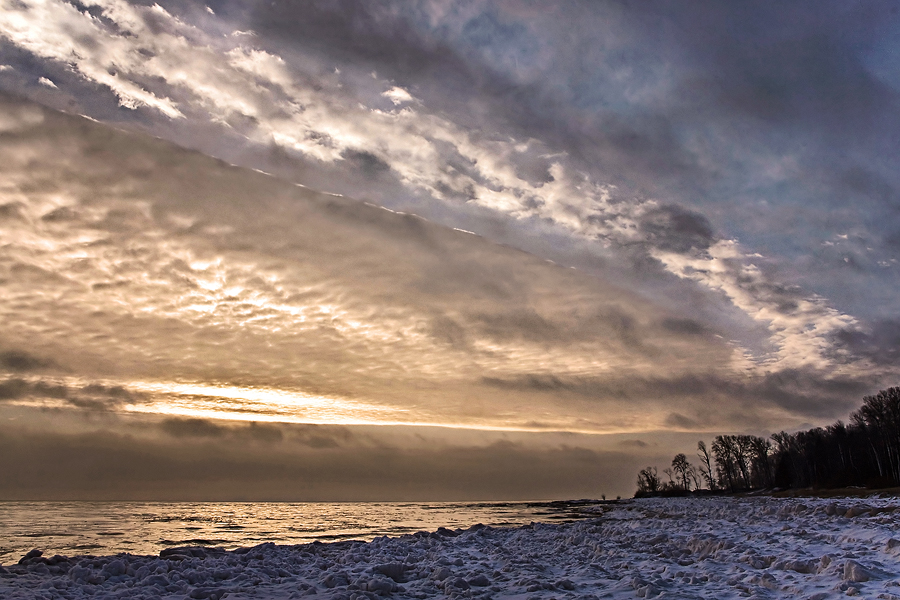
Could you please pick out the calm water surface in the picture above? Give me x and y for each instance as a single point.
(102, 528)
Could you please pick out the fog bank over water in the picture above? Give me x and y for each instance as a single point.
(58, 455)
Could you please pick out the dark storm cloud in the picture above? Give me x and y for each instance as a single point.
(525, 324)
(309, 436)
(609, 323)
(801, 82)
(860, 181)
(797, 63)
(468, 54)
(378, 35)
(448, 331)
(528, 382)
(354, 35)
(744, 84)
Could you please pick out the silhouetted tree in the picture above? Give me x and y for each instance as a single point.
(648, 481)
(864, 452)
(695, 477)
(761, 472)
(682, 468)
(706, 465)
(725, 452)
(879, 417)
(743, 445)
(670, 484)
(788, 470)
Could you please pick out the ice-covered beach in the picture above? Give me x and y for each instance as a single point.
(669, 548)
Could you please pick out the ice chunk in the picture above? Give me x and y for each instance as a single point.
(855, 572)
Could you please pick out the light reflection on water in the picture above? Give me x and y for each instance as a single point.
(102, 528)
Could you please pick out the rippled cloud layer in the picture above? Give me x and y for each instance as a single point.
(590, 217)
(217, 291)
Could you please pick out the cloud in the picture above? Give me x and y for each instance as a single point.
(17, 360)
(800, 325)
(880, 345)
(705, 401)
(668, 182)
(20, 117)
(680, 421)
(158, 263)
(634, 443)
(674, 229)
(13, 388)
(688, 326)
(180, 428)
(62, 393)
(814, 79)
(60, 32)
(366, 162)
(202, 461)
(258, 89)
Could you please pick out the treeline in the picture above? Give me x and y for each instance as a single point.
(865, 452)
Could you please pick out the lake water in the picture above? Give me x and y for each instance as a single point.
(103, 528)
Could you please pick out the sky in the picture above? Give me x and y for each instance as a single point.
(435, 249)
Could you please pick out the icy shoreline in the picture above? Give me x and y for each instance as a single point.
(676, 548)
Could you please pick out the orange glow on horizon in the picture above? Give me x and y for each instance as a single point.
(236, 403)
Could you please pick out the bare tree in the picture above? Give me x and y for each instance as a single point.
(762, 468)
(695, 477)
(865, 452)
(648, 480)
(706, 465)
(682, 468)
(725, 451)
(669, 472)
(744, 457)
(879, 417)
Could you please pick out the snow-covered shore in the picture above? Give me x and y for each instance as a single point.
(669, 548)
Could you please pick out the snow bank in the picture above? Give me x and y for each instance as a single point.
(718, 548)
